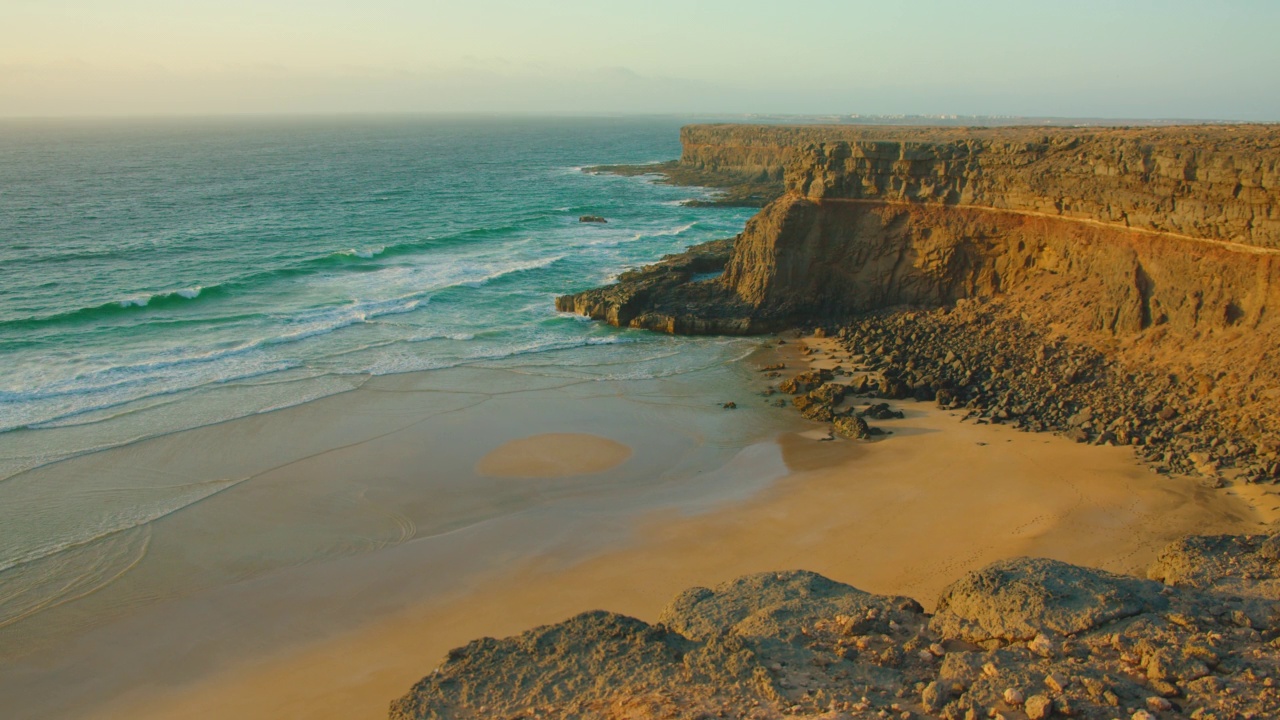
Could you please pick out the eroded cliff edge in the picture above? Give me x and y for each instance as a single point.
(1182, 223)
(1217, 182)
(1159, 248)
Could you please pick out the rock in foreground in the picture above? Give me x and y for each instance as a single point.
(1023, 638)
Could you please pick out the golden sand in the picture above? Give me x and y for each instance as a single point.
(905, 515)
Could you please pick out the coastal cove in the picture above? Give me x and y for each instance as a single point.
(295, 490)
(1113, 286)
(906, 514)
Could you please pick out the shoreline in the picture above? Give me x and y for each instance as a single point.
(896, 509)
(338, 500)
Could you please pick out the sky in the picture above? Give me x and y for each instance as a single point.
(1209, 59)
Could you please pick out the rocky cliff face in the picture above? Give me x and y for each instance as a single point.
(800, 257)
(1158, 247)
(1173, 227)
(1210, 182)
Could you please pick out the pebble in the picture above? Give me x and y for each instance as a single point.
(1041, 645)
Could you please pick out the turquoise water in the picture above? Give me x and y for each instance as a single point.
(167, 275)
(145, 264)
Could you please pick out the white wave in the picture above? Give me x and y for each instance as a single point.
(412, 362)
(513, 269)
(676, 230)
(366, 254)
(332, 319)
(189, 293)
(615, 241)
(456, 336)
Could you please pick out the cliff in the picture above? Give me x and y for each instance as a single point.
(1133, 228)
(1213, 182)
(1020, 638)
(1158, 248)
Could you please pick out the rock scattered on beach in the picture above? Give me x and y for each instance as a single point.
(986, 360)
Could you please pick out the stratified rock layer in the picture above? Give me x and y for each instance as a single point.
(1023, 637)
(1176, 227)
(1215, 182)
(804, 259)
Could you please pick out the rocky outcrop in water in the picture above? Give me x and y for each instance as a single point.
(680, 294)
(1025, 637)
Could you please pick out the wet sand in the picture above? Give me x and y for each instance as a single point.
(905, 514)
(339, 513)
(554, 455)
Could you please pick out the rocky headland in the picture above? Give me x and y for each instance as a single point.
(1118, 286)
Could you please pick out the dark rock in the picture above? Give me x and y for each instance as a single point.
(881, 411)
(944, 398)
(592, 219)
(1077, 434)
(893, 389)
(851, 426)
(830, 393)
(668, 297)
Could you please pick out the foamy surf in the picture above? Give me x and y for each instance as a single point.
(314, 282)
(144, 300)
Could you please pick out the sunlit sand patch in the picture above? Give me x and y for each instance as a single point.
(554, 455)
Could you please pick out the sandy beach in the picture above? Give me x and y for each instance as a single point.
(907, 514)
(334, 514)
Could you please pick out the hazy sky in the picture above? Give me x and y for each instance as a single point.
(1114, 58)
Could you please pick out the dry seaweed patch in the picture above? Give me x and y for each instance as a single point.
(1020, 638)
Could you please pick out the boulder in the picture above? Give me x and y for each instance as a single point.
(881, 411)
(1245, 565)
(1015, 600)
(804, 382)
(852, 426)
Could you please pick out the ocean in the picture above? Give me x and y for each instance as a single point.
(163, 275)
